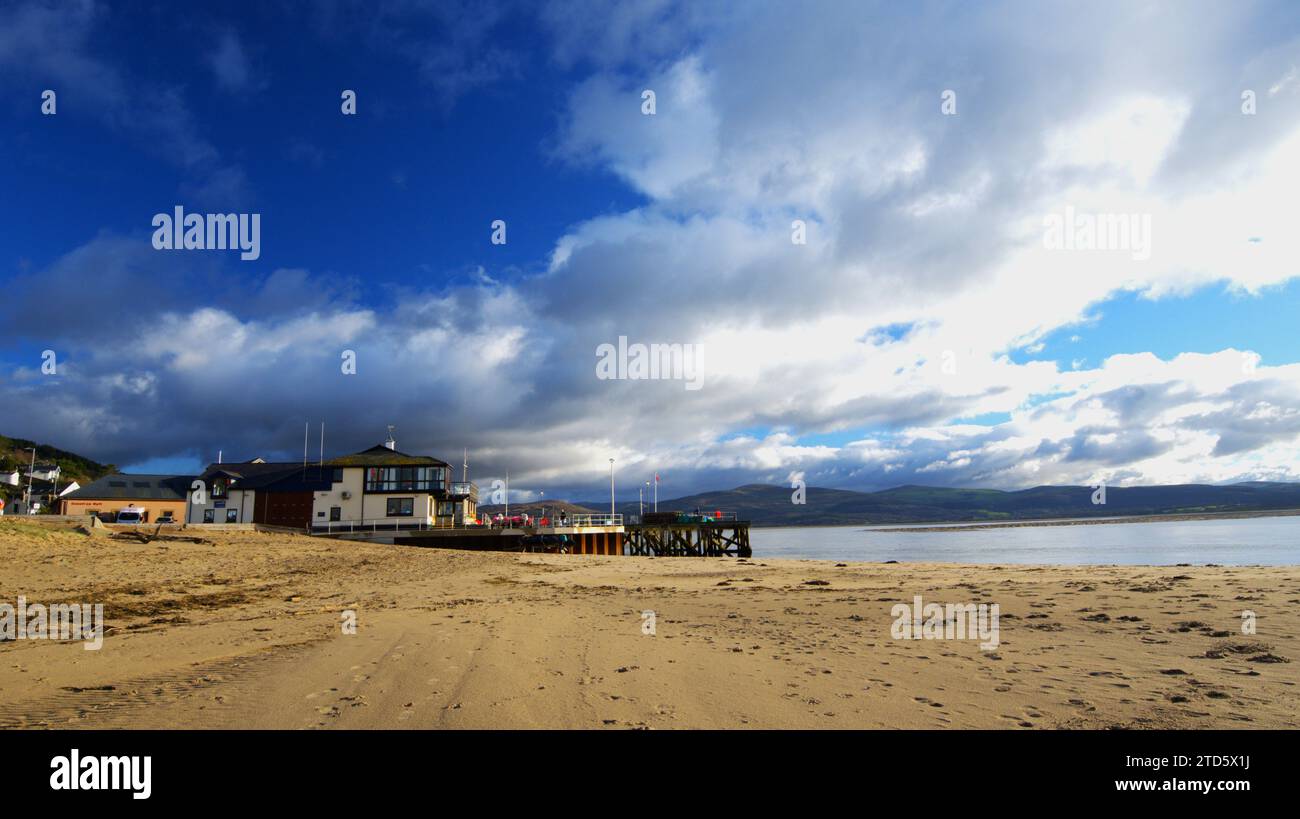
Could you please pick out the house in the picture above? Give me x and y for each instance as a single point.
(45, 472)
(156, 497)
(9, 478)
(277, 494)
(42, 490)
(386, 488)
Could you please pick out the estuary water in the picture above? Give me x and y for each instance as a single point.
(1271, 541)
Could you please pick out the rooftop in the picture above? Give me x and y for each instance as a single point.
(257, 474)
(380, 455)
(135, 487)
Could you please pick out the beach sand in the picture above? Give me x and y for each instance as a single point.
(244, 631)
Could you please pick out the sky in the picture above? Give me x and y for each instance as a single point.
(851, 216)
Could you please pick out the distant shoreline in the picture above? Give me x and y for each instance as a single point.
(1014, 524)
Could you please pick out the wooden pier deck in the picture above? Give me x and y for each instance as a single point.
(657, 535)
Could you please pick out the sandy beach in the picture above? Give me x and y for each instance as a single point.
(245, 630)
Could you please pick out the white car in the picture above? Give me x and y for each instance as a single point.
(130, 516)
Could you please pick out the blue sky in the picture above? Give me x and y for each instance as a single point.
(421, 174)
(1206, 320)
(924, 332)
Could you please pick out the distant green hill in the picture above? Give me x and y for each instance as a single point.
(771, 505)
(15, 453)
(535, 508)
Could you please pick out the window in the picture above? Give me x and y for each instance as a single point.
(338, 476)
(446, 509)
(336, 513)
(232, 516)
(219, 488)
(401, 507)
(119, 484)
(209, 515)
(405, 478)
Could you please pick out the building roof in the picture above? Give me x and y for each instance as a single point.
(135, 487)
(259, 474)
(380, 455)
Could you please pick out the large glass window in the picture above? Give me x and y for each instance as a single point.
(401, 507)
(405, 478)
(219, 487)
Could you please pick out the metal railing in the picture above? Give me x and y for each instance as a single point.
(712, 516)
(381, 525)
(604, 519)
(551, 521)
(720, 516)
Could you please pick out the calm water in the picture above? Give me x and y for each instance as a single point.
(1266, 541)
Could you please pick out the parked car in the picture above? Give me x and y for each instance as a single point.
(130, 516)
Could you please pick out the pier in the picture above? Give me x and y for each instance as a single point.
(675, 534)
(664, 534)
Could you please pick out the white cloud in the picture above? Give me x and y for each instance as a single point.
(915, 220)
(230, 63)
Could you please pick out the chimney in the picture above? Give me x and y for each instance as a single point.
(390, 443)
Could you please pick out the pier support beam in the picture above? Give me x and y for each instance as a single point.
(708, 539)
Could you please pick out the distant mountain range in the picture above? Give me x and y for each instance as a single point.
(536, 508)
(766, 505)
(771, 505)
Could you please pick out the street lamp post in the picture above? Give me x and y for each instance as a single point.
(27, 500)
(611, 491)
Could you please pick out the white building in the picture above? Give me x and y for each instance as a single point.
(384, 488)
(278, 494)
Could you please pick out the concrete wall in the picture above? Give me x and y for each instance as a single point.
(352, 483)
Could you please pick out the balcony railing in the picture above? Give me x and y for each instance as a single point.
(464, 489)
(380, 525)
